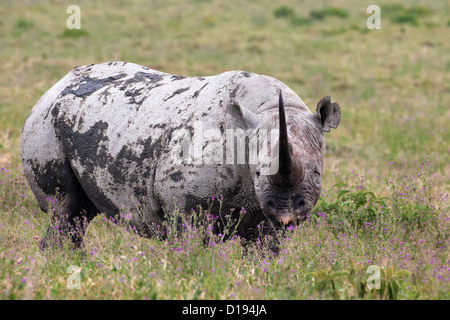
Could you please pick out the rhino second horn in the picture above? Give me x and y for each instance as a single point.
(243, 117)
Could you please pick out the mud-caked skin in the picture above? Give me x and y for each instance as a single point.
(103, 138)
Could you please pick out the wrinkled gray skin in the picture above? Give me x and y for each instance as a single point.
(101, 139)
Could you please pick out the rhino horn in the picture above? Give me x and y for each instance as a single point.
(290, 170)
(242, 117)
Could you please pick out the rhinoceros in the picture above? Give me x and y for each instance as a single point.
(110, 135)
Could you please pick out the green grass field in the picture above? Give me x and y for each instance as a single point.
(387, 166)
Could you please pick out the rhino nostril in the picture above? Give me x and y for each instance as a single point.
(270, 205)
(299, 204)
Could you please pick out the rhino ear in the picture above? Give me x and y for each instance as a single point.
(328, 113)
(242, 117)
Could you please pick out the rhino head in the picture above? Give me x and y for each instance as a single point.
(288, 193)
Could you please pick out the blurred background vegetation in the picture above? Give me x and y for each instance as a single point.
(393, 84)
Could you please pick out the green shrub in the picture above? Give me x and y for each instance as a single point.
(23, 24)
(283, 12)
(402, 15)
(289, 13)
(406, 19)
(419, 11)
(321, 14)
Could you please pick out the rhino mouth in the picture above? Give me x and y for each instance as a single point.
(283, 222)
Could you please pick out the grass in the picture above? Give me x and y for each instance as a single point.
(73, 33)
(405, 233)
(385, 182)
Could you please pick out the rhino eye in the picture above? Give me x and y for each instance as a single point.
(316, 174)
(258, 172)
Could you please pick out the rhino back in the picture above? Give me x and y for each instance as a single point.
(114, 123)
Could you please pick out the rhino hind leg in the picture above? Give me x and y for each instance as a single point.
(62, 196)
